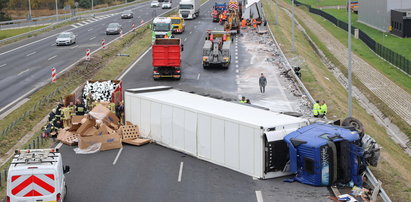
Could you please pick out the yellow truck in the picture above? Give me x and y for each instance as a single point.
(178, 25)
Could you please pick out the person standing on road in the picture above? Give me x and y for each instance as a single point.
(316, 109)
(323, 109)
(262, 82)
(243, 100)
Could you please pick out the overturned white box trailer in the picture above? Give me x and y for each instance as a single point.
(240, 137)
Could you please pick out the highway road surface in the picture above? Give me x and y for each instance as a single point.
(27, 64)
(154, 173)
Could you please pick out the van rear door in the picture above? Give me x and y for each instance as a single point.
(33, 186)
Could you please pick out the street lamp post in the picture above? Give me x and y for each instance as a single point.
(29, 10)
(92, 5)
(276, 12)
(57, 11)
(349, 61)
(292, 27)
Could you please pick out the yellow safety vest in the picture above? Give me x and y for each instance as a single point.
(316, 109)
(66, 113)
(323, 109)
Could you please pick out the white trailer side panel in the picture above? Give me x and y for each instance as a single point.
(190, 133)
(181, 122)
(217, 143)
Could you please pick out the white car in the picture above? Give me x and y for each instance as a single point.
(66, 38)
(166, 5)
(154, 3)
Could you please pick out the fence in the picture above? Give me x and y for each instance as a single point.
(389, 55)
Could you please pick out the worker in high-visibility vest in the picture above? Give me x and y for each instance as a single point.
(80, 108)
(72, 108)
(323, 109)
(112, 107)
(254, 23)
(243, 23)
(316, 109)
(66, 112)
(243, 100)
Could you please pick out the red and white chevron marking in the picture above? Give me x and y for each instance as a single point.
(53, 75)
(32, 185)
(103, 43)
(88, 54)
(133, 27)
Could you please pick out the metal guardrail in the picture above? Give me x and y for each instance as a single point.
(374, 182)
(67, 15)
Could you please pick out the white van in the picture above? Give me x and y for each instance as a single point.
(36, 175)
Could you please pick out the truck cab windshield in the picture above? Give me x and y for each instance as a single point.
(186, 6)
(161, 27)
(175, 21)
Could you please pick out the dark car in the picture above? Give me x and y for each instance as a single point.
(113, 28)
(127, 14)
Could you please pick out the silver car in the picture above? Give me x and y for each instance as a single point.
(154, 3)
(166, 4)
(113, 28)
(66, 38)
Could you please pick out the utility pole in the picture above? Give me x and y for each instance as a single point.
(92, 5)
(57, 12)
(276, 12)
(349, 62)
(30, 11)
(292, 27)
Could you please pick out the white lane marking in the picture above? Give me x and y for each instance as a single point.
(236, 53)
(191, 32)
(52, 58)
(236, 66)
(236, 50)
(259, 196)
(236, 61)
(90, 29)
(198, 76)
(237, 71)
(74, 26)
(32, 53)
(74, 47)
(185, 39)
(236, 57)
(3, 65)
(59, 145)
(118, 155)
(236, 47)
(180, 173)
(92, 38)
(53, 44)
(238, 76)
(23, 72)
(132, 65)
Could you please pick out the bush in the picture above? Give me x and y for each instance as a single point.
(84, 4)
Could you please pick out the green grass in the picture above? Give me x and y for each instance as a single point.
(321, 3)
(362, 50)
(14, 32)
(400, 45)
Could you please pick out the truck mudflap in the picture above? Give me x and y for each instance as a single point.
(166, 72)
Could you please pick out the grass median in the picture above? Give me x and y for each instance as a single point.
(393, 169)
(14, 32)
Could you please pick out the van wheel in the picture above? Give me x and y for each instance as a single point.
(355, 123)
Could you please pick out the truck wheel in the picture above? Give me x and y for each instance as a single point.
(355, 123)
(155, 79)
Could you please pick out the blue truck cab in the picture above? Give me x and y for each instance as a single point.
(323, 154)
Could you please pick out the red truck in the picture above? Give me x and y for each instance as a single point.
(166, 54)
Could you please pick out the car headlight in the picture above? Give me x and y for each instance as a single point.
(205, 58)
(226, 58)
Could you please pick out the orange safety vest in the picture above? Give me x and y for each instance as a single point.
(243, 23)
(166, 36)
(254, 23)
